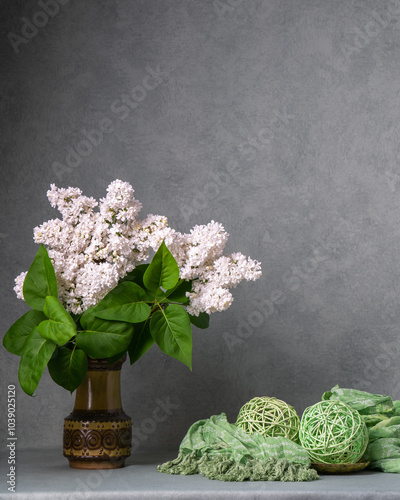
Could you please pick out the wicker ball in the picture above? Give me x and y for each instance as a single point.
(270, 417)
(333, 433)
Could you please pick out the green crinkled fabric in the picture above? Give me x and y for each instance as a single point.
(220, 450)
(382, 417)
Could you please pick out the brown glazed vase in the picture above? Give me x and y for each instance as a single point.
(98, 434)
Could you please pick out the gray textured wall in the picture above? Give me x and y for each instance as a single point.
(278, 118)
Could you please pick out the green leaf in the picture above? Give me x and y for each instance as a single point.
(163, 270)
(178, 293)
(75, 317)
(37, 353)
(126, 302)
(116, 357)
(68, 367)
(103, 339)
(40, 281)
(136, 275)
(201, 321)
(60, 327)
(141, 341)
(172, 331)
(16, 336)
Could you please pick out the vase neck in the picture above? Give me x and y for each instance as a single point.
(101, 389)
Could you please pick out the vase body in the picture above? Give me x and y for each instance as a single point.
(98, 434)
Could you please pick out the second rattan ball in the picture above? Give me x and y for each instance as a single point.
(333, 433)
(270, 417)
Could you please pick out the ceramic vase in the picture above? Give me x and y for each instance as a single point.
(98, 434)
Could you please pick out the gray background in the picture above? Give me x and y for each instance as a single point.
(278, 119)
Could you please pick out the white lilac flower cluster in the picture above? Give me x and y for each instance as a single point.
(92, 249)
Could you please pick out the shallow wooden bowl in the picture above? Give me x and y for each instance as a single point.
(340, 468)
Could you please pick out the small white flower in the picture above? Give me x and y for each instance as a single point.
(19, 283)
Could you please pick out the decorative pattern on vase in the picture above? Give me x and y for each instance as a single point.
(97, 440)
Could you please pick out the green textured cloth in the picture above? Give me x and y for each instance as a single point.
(220, 450)
(382, 417)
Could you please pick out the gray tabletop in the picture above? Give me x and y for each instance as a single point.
(45, 474)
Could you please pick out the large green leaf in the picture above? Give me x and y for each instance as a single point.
(60, 327)
(201, 321)
(136, 275)
(171, 330)
(40, 281)
(36, 354)
(141, 341)
(16, 336)
(126, 302)
(163, 270)
(68, 367)
(102, 338)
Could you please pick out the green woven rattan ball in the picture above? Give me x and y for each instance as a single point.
(270, 417)
(333, 433)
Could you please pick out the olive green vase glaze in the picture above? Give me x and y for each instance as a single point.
(98, 434)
